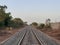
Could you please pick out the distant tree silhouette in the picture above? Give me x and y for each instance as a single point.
(34, 24)
(48, 24)
(41, 26)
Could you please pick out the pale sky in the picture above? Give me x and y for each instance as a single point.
(34, 10)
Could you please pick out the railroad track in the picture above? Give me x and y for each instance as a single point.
(30, 39)
(15, 39)
(29, 36)
(43, 38)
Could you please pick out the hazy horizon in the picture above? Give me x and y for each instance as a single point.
(34, 10)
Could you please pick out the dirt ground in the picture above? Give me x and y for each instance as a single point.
(4, 34)
(53, 33)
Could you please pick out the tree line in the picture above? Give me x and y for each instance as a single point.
(42, 25)
(6, 20)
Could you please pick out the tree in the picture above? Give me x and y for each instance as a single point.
(17, 22)
(34, 24)
(41, 26)
(7, 21)
(4, 17)
(25, 23)
(48, 24)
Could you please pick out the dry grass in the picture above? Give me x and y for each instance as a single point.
(53, 33)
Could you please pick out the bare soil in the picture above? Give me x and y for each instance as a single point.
(53, 33)
(4, 34)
